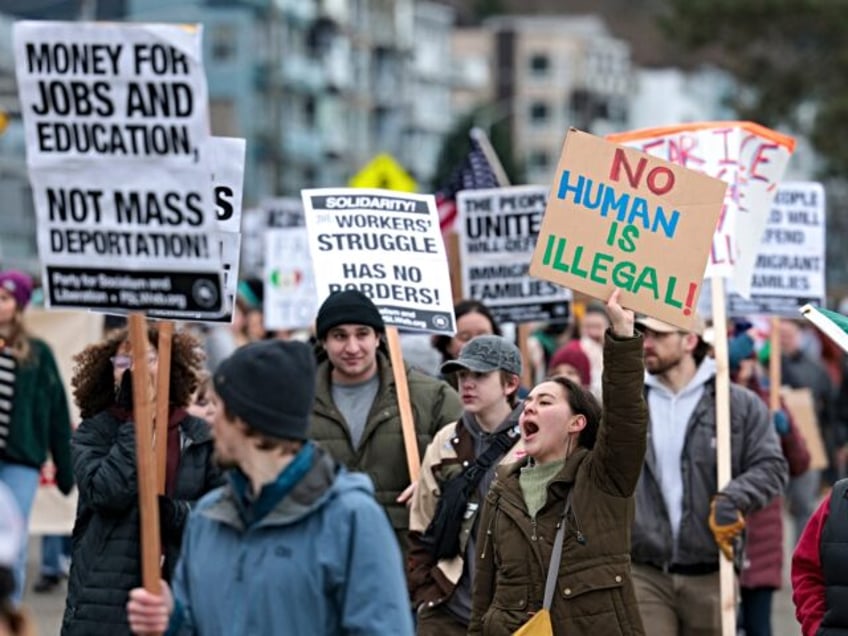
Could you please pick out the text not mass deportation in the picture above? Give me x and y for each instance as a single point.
(114, 139)
(111, 243)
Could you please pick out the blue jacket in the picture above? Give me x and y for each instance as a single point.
(323, 561)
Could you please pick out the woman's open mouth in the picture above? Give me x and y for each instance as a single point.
(529, 429)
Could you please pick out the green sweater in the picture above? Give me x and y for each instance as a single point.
(534, 482)
(40, 418)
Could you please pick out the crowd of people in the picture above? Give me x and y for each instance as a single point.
(584, 501)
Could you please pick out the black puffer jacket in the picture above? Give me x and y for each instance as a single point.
(105, 562)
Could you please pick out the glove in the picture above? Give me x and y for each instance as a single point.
(726, 523)
(781, 422)
(172, 515)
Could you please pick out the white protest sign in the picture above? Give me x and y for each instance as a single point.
(498, 229)
(227, 159)
(789, 271)
(116, 123)
(116, 90)
(135, 246)
(226, 156)
(388, 246)
(747, 156)
(289, 283)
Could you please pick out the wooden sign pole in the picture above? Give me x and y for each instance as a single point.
(727, 586)
(407, 422)
(774, 365)
(163, 386)
(151, 548)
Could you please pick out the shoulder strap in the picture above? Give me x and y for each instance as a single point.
(556, 555)
(499, 446)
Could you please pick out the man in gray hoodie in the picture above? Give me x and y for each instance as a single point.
(682, 519)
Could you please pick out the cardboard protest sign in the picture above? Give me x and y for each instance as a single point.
(790, 262)
(277, 212)
(620, 218)
(388, 246)
(748, 157)
(498, 229)
(116, 122)
(801, 405)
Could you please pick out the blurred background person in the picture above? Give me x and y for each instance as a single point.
(571, 361)
(593, 325)
(761, 569)
(105, 563)
(34, 417)
(13, 620)
(799, 369)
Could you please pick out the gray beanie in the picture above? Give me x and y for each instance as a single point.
(271, 386)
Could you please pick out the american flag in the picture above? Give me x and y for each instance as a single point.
(474, 173)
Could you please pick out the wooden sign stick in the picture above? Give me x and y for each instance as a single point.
(148, 505)
(407, 422)
(727, 586)
(163, 386)
(774, 365)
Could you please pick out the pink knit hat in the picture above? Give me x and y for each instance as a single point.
(572, 354)
(18, 284)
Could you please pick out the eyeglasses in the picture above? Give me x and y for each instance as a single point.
(123, 361)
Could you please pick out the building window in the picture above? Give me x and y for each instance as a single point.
(538, 160)
(223, 43)
(540, 64)
(538, 113)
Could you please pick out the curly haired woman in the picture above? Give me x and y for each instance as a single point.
(105, 563)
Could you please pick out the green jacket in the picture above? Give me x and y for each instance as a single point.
(381, 452)
(594, 594)
(40, 418)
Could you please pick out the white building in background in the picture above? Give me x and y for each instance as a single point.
(430, 114)
(547, 73)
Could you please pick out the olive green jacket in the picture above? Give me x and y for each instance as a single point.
(594, 593)
(381, 453)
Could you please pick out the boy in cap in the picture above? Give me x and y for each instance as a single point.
(293, 543)
(356, 415)
(441, 554)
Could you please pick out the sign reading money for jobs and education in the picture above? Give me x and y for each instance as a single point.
(789, 268)
(388, 246)
(498, 229)
(617, 217)
(116, 123)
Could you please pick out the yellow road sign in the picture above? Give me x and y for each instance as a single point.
(383, 171)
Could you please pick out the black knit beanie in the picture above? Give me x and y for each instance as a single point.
(349, 307)
(270, 384)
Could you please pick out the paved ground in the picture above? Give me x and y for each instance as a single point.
(47, 608)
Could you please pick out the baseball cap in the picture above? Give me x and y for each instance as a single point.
(484, 354)
(658, 326)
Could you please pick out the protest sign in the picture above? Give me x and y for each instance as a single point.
(498, 229)
(116, 122)
(277, 212)
(388, 246)
(790, 261)
(750, 158)
(289, 283)
(620, 218)
(91, 91)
